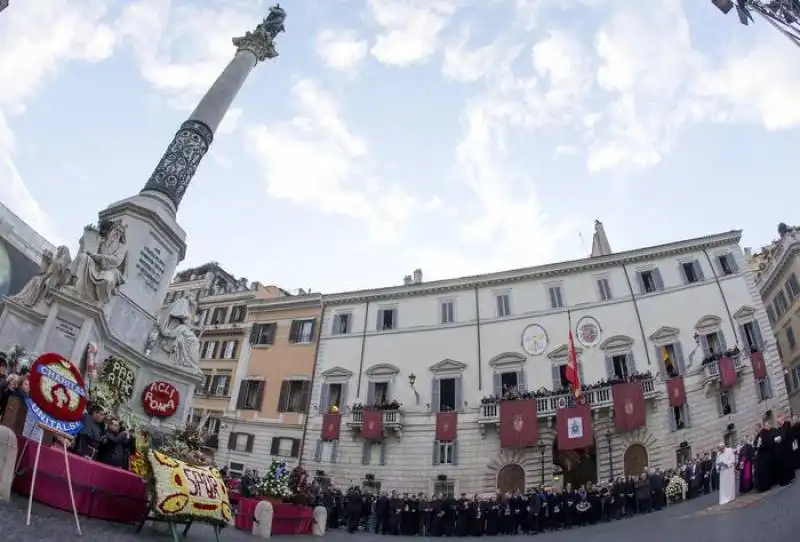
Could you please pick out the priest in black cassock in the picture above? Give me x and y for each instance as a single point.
(784, 452)
(766, 456)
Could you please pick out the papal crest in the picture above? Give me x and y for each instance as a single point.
(331, 428)
(445, 426)
(629, 407)
(371, 425)
(676, 393)
(518, 422)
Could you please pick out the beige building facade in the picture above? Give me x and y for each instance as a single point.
(778, 278)
(269, 399)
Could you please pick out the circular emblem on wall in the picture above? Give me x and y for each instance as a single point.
(519, 423)
(588, 331)
(534, 340)
(160, 399)
(57, 389)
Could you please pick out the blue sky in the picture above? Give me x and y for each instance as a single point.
(458, 136)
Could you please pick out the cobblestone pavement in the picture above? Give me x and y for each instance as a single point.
(766, 517)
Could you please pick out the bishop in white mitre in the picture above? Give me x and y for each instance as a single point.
(726, 461)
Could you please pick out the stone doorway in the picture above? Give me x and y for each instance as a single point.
(579, 467)
(511, 478)
(635, 460)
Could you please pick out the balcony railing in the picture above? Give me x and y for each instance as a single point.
(711, 369)
(548, 406)
(392, 419)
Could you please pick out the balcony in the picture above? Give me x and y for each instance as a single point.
(548, 406)
(392, 421)
(212, 442)
(711, 369)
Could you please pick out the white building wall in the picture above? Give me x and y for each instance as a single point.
(420, 342)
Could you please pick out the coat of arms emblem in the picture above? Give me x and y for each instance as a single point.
(629, 407)
(518, 422)
(330, 427)
(371, 425)
(676, 393)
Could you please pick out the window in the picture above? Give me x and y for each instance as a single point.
(680, 418)
(503, 305)
(771, 315)
(792, 287)
(790, 338)
(210, 350)
(672, 365)
(764, 387)
(683, 455)
(650, 281)
(796, 373)
(220, 385)
(284, 447)
(251, 394)
(752, 336)
(302, 331)
(240, 442)
(508, 381)
(444, 488)
(202, 317)
(444, 453)
(213, 423)
(373, 453)
(387, 319)
(203, 389)
(230, 349)
(218, 316)
(263, 334)
(712, 343)
(447, 312)
(727, 264)
(692, 272)
(780, 349)
(378, 393)
(725, 403)
(236, 469)
(294, 396)
(619, 366)
(556, 301)
(333, 398)
(238, 314)
(341, 323)
(604, 288)
(781, 305)
(447, 394)
(206, 316)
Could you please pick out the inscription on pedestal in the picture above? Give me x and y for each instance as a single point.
(69, 331)
(150, 266)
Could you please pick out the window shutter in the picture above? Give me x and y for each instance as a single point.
(757, 334)
(305, 395)
(459, 393)
(680, 361)
(498, 384)
(343, 398)
(217, 348)
(704, 345)
(555, 371)
(370, 393)
(379, 320)
(283, 399)
(672, 425)
(249, 445)
(661, 365)
(270, 331)
(383, 452)
(768, 385)
(454, 444)
(435, 452)
(687, 418)
(771, 315)
(684, 275)
(295, 447)
(721, 336)
(231, 440)
(254, 333)
(435, 394)
(732, 262)
(659, 282)
(698, 269)
(293, 331)
(334, 450)
(324, 399)
(235, 351)
(732, 401)
(275, 446)
(522, 384)
(313, 329)
(630, 363)
(318, 451)
(719, 405)
(743, 340)
(262, 386)
(242, 395)
(365, 452)
(610, 367)
(227, 387)
(640, 283)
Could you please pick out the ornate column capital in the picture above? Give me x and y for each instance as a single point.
(261, 41)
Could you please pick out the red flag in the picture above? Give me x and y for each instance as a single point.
(330, 426)
(727, 373)
(573, 374)
(759, 368)
(372, 427)
(446, 424)
(574, 427)
(677, 391)
(629, 407)
(519, 425)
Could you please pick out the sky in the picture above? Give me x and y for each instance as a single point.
(455, 136)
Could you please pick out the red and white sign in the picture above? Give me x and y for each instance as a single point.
(160, 399)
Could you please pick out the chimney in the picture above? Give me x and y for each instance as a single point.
(600, 244)
(407, 280)
(417, 276)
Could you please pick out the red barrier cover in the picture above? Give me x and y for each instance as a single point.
(101, 491)
(291, 519)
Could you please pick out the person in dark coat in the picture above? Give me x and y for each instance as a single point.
(766, 457)
(91, 434)
(745, 466)
(784, 452)
(115, 446)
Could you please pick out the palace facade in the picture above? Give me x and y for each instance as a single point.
(688, 311)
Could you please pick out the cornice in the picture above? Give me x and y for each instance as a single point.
(547, 271)
(286, 303)
(788, 250)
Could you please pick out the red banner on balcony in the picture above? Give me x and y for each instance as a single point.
(330, 426)
(727, 373)
(677, 391)
(372, 428)
(446, 424)
(629, 407)
(574, 427)
(519, 425)
(759, 368)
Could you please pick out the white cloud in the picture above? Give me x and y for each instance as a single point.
(468, 65)
(410, 29)
(340, 49)
(316, 160)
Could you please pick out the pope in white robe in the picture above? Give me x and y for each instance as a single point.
(726, 462)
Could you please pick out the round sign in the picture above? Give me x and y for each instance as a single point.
(57, 388)
(588, 331)
(534, 340)
(160, 399)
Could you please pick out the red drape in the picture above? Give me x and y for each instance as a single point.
(331, 423)
(677, 391)
(446, 426)
(574, 427)
(373, 425)
(759, 368)
(727, 373)
(518, 423)
(629, 408)
(290, 519)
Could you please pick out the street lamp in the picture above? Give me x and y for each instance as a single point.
(783, 15)
(609, 436)
(412, 378)
(541, 448)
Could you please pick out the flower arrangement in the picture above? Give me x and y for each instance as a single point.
(186, 443)
(394, 404)
(300, 487)
(17, 358)
(676, 488)
(275, 483)
(111, 395)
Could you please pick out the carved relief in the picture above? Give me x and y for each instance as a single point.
(53, 275)
(100, 267)
(173, 338)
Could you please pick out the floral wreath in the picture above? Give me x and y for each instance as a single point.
(57, 388)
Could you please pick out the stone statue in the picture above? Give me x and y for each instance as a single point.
(320, 521)
(175, 335)
(261, 41)
(53, 274)
(262, 520)
(273, 24)
(100, 266)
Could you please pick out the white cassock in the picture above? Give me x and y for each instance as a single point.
(726, 461)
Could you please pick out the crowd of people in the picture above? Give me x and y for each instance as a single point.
(512, 392)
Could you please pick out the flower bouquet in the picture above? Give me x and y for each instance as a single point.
(275, 483)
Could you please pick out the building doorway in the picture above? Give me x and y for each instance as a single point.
(510, 479)
(635, 460)
(579, 466)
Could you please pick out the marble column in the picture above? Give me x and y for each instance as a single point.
(178, 165)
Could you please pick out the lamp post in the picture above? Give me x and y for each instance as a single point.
(542, 448)
(609, 436)
(412, 378)
(783, 15)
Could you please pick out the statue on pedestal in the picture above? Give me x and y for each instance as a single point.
(99, 268)
(174, 335)
(261, 41)
(53, 275)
